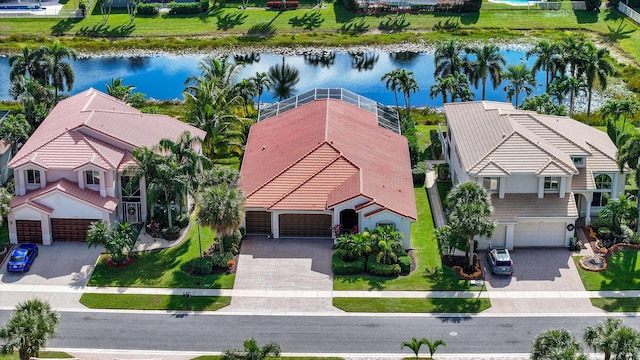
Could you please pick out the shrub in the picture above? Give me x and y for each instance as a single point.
(443, 171)
(405, 264)
(231, 243)
(220, 260)
(204, 5)
(419, 175)
(182, 221)
(148, 9)
(400, 252)
(207, 266)
(593, 5)
(170, 234)
(83, 7)
(377, 268)
(341, 267)
(277, 5)
(604, 232)
(436, 145)
(350, 5)
(184, 8)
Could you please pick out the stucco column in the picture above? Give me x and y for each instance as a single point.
(103, 183)
(21, 187)
(13, 231)
(587, 218)
(562, 186)
(508, 238)
(275, 224)
(46, 229)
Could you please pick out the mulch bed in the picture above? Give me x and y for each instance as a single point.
(459, 265)
(113, 265)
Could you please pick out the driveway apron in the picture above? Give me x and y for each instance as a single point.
(283, 276)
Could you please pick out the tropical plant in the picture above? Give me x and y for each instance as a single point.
(488, 63)
(447, 58)
(441, 87)
(62, 73)
(14, 129)
(613, 110)
(460, 88)
(471, 210)
(252, 351)
(219, 175)
(189, 161)
(355, 245)
(433, 345)
(521, 79)
(28, 328)
(284, 78)
(573, 85)
(618, 212)
(449, 239)
(36, 98)
(118, 90)
(613, 337)
(221, 208)
(556, 344)
(117, 240)
(628, 155)
(29, 63)
(543, 104)
(246, 90)
(547, 56)
(596, 66)
(261, 81)
(403, 81)
(414, 344)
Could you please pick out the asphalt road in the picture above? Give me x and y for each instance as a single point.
(306, 334)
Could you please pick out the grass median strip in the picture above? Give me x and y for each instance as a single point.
(154, 302)
(411, 305)
(617, 304)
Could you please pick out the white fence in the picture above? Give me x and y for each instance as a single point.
(629, 12)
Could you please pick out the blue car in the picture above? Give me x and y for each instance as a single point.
(22, 257)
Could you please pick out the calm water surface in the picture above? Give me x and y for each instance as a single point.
(162, 77)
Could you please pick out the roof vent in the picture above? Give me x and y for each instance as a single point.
(504, 135)
(264, 148)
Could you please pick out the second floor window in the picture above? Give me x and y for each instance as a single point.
(92, 177)
(490, 183)
(551, 183)
(33, 177)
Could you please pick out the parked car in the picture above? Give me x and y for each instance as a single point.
(499, 260)
(22, 258)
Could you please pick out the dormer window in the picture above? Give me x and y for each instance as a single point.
(92, 177)
(551, 183)
(33, 177)
(578, 161)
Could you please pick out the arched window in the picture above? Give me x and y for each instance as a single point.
(602, 195)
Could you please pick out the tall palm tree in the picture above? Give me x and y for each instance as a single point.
(414, 344)
(262, 81)
(489, 63)
(246, 90)
(408, 84)
(62, 73)
(118, 90)
(521, 79)
(284, 78)
(36, 98)
(613, 110)
(433, 345)
(460, 88)
(440, 86)
(252, 351)
(596, 66)
(547, 55)
(29, 63)
(556, 344)
(604, 336)
(628, 155)
(221, 208)
(447, 58)
(573, 53)
(471, 211)
(29, 328)
(574, 85)
(219, 70)
(392, 83)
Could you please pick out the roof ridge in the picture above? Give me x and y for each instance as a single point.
(292, 165)
(307, 179)
(91, 145)
(536, 119)
(543, 149)
(494, 163)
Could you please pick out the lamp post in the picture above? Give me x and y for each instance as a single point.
(200, 246)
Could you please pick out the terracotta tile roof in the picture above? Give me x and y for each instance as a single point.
(325, 152)
(510, 207)
(68, 188)
(79, 129)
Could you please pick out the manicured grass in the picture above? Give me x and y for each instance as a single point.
(412, 305)
(623, 273)
(164, 268)
(422, 133)
(443, 190)
(429, 273)
(154, 302)
(43, 354)
(617, 304)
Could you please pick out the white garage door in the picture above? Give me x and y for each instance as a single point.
(498, 238)
(539, 234)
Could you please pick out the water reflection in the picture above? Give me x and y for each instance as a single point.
(363, 61)
(323, 59)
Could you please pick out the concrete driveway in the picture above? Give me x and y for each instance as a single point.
(270, 269)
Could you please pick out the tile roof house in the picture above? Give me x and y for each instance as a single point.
(324, 162)
(71, 170)
(543, 172)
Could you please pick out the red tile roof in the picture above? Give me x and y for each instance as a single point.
(68, 188)
(323, 153)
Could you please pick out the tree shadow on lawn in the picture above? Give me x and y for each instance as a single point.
(622, 273)
(463, 18)
(586, 17)
(64, 25)
(444, 279)
(309, 21)
(229, 21)
(103, 29)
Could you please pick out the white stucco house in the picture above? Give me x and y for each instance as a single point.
(324, 158)
(71, 171)
(543, 172)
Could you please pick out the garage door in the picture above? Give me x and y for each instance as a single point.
(305, 225)
(539, 234)
(70, 229)
(29, 231)
(498, 237)
(258, 222)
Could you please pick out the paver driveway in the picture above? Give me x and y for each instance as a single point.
(270, 268)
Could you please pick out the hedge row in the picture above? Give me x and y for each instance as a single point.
(341, 267)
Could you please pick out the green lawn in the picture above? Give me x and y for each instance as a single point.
(43, 354)
(623, 273)
(164, 268)
(218, 357)
(422, 133)
(617, 304)
(429, 273)
(154, 302)
(429, 305)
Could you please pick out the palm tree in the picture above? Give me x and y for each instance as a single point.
(414, 345)
(604, 337)
(284, 78)
(261, 81)
(246, 90)
(29, 328)
(252, 351)
(61, 72)
(36, 98)
(14, 129)
(29, 64)
(117, 240)
(628, 155)
(556, 344)
(219, 70)
(471, 211)
(460, 88)
(447, 58)
(489, 63)
(190, 162)
(521, 79)
(433, 345)
(614, 110)
(392, 83)
(440, 86)
(118, 90)
(595, 67)
(574, 85)
(221, 208)
(546, 58)
(573, 54)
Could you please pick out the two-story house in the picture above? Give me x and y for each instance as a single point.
(72, 170)
(543, 172)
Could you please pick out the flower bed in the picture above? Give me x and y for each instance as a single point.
(279, 5)
(459, 265)
(608, 251)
